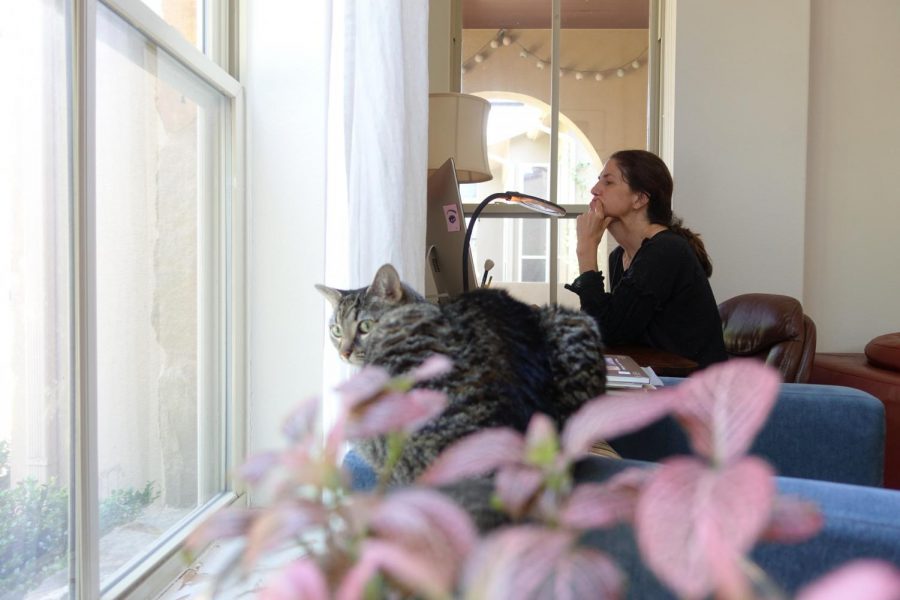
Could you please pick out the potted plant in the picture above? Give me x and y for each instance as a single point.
(695, 518)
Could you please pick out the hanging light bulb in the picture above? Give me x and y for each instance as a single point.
(523, 54)
(540, 65)
(598, 77)
(506, 40)
(495, 44)
(620, 72)
(479, 58)
(579, 75)
(636, 64)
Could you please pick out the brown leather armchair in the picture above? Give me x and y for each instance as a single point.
(772, 328)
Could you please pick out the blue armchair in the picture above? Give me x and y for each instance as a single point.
(826, 443)
(822, 432)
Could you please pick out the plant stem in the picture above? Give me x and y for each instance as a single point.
(396, 441)
(765, 588)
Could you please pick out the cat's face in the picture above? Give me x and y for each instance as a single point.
(357, 312)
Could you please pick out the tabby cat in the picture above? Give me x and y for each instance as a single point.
(510, 359)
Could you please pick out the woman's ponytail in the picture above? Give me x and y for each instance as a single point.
(695, 242)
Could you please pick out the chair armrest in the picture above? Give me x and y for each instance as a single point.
(828, 433)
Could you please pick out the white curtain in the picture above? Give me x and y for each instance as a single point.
(377, 151)
(378, 124)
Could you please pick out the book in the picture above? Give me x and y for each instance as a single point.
(623, 371)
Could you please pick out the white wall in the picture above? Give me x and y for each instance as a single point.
(852, 279)
(785, 147)
(286, 100)
(740, 138)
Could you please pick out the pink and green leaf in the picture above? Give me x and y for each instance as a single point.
(363, 387)
(394, 412)
(693, 523)
(792, 520)
(406, 569)
(514, 562)
(474, 455)
(611, 416)
(870, 579)
(301, 422)
(541, 441)
(300, 579)
(596, 505)
(258, 466)
(277, 524)
(725, 405)
(516, 487)
(584, 573)
(433, 367)
(426, 520)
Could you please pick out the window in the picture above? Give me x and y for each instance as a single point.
(119, 331)
(597, 104)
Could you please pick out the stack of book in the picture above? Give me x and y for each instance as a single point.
(622, 372)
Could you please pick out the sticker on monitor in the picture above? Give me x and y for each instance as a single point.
(451, 214)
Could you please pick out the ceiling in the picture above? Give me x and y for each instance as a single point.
(575, 14)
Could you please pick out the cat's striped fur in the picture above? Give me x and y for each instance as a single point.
(510, 359)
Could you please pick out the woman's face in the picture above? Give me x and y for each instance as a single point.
(613, 193)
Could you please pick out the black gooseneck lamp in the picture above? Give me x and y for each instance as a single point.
(530, 202)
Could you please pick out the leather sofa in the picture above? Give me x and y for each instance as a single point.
(771, 328)
(876, 371)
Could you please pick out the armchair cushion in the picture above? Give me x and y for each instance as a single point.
(860, 522)
(772, 328)
(829, 433)
(884, 351)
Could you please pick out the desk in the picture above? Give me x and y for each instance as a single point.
(664, 364)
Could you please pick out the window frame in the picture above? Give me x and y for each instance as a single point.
(147, 574)
(659, 129)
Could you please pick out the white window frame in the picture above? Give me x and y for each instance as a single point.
(659, 132)
(148, 573)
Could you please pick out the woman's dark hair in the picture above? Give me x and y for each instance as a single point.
(646, 173)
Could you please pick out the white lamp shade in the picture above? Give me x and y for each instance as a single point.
(457, 129)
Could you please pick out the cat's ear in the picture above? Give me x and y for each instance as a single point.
(333, 295)
(387, 284)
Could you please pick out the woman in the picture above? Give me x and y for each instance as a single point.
(659, 274)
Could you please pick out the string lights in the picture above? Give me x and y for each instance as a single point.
(504, 38)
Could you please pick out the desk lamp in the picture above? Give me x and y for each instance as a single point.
(530, 202)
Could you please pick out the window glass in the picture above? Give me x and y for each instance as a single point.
(534, 237)
(35, 386)
(186, 16)
(159, 375)
(602, 108)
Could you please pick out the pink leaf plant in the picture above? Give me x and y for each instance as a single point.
(695, 518)
(412, 540)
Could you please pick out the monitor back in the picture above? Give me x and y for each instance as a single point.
(445, 233)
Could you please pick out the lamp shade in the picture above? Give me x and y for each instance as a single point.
(457, 129)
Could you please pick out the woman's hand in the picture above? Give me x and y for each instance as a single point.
(589, 229)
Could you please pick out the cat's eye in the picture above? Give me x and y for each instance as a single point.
(365, 326)
(336, 330)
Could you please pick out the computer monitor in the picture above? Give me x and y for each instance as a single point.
(445, 231)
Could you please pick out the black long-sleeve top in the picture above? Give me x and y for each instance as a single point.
(663, 300)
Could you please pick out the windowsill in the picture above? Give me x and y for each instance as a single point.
(199, 579)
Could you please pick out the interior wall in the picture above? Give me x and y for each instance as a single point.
(853, 204)
(286, 87)
(740, 138)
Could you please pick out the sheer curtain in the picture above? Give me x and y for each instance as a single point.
(378, 119)
(377, 150)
